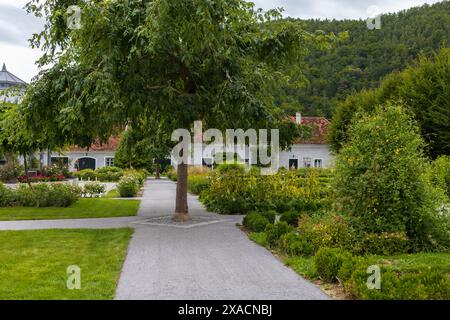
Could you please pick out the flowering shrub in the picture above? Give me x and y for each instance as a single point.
(45, 195)
(93, 189)
(41, 178)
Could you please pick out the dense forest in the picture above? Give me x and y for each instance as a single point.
(367, 56)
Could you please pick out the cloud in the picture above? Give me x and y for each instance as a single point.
(337, 9)
(16, 27)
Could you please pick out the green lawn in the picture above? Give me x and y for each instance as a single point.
(33, 264)
(114, 193)
(83, 208)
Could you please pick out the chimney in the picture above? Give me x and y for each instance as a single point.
(298, 118)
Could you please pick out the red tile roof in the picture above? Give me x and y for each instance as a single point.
(111, 145)
(319, 126)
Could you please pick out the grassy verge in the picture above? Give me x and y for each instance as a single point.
(83, 208)
(33, 264)
(112, 194)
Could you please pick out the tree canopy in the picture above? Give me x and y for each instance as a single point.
(367, 56)
(424, 88)
(217, 61)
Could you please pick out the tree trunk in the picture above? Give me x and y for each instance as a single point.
(25, 164)
(181, 209)
(158, 170)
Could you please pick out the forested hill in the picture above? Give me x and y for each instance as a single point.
(368, 55)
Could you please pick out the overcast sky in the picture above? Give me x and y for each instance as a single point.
(16, 27)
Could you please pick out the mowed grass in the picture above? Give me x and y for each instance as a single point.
(33, 264)
(83, 208)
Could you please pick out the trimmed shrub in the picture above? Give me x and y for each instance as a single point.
(240, 193)
(93, 189)
(197, 183)
(171, 173)
(270, 215)
(255, 222)
(128, 186)
(231, 168)
(275, 231)
(47, 195)
(86, 175)
(109, 174)
(291, 217)
(10, 172)
(385, 243)
(331, 231)
(294, 245)
(424, 285)
(328, 262)
(6, 196)
(140, 175)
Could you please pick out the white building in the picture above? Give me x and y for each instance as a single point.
(311, 152)
(97, 156)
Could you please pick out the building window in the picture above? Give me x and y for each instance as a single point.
(307, 162)
(59, 161)
(207, 162)
(317, 163)
(293, 164)
(109, 162)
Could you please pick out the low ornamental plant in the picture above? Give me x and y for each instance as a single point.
(93, 189)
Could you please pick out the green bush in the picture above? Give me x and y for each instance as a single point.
(440, 174)
(255, 222)
(385, 243)
(197, 183)
(46, 195)
(295, 245)
(380, 179)
(423, 285)
(6, 196)
(231, 168)
(109, 174)
(10, 172)
(242, 192)
(291, 217)
(128, 186)
(93, 189)
(328, 231)
(139, 175)
(171, 173)
(86, 175)
(328, 262)
(275, 231)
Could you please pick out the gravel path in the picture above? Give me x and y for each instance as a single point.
(213, 260)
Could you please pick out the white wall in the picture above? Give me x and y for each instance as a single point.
(99, 157)
(313, 151)
(298, 151)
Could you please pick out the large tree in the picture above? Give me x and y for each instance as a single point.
(184, 60)
(423, 87)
